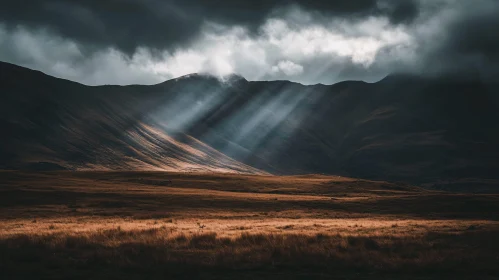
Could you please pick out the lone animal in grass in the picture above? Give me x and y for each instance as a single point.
(201, 226)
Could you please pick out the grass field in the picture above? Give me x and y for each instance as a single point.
(130, 225)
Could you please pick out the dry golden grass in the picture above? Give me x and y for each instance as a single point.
(159, 251)
(111, 225)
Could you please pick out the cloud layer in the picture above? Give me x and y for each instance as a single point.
(131, 41)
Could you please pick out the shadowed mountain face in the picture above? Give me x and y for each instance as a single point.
(401, 128)
(56, 124)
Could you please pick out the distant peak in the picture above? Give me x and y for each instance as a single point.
(226, 79)
(194, 76)
(232, 78)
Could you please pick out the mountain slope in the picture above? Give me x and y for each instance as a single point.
(401, 128)
(53, 123)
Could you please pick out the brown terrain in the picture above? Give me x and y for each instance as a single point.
(143, 225)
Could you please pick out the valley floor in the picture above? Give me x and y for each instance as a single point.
(150, 225)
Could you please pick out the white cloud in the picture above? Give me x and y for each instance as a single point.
(280, 50)
(287, 67)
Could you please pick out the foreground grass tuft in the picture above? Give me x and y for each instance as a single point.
(155, 250)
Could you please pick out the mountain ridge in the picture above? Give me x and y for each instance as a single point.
(412, 128)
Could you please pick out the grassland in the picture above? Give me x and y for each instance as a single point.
(117, 225)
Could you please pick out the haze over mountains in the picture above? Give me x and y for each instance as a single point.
(403, 127)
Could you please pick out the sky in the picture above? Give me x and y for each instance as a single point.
(123, 42)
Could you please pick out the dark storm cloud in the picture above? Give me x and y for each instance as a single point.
(128, 24)
(314, 41)
(124, 24)
(466, 42)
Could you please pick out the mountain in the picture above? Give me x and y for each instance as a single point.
(50, 123)
(403, 127)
